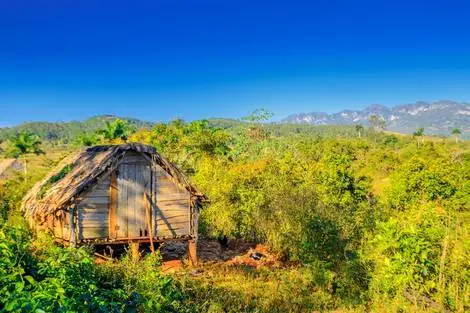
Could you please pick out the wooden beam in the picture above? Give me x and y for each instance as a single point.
(72, 226)
(134, 247)
(113, 196)
(192, 252)
(148, 204)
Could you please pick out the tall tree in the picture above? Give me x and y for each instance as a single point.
(359, 129)
(377, 122)
(374, 120)
(117, 129)
(255, 120)
(419, 134)
(456, 132)
(22, 144)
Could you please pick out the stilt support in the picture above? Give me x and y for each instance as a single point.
(192, 252)
(134, 248)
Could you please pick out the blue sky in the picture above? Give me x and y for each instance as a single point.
(157, 60)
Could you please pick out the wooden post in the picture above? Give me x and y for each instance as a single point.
(192, 252)
(113, 196)
(134, 247)
(148, 203)
(73, 236)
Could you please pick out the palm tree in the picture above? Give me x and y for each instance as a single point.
(118, 129)
(359, 130)
(374, 121)
(382, 125)
(22, 144)
(456, 132)
(419, 133)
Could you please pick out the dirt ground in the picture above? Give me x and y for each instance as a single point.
(235, 252)
(174, 253)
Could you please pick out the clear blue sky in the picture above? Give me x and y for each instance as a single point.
(157, 60)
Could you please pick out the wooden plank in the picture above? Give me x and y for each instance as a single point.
(173, 232)
(154, 199)
(174, 224)
(94, 217)
(134, 158)
(146, 217)
(101, 208)
(113, 197)
(122, 202)
(162, 197)
(139, 209)
(174, 214)
(182, 204)
(169, 210)
(172, 217)
(95, 232)
(98, 192)
(95, 200)
(131, 200)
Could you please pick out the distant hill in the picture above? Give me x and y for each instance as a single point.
(67, 131)
(437, 118)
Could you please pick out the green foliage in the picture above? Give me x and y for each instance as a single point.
(416, 181)
(185, 143)
(42, 277)
(117, 129)
(377, 122)
(365, 220)
(407, 251)
(51, 181)
(87, 140)
(23, 143)
(67, 132)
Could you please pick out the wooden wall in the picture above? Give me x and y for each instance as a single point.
(92, 211)
(61, 225)
(173, 207)
(171, 214)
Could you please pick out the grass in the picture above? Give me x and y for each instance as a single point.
(228, 288)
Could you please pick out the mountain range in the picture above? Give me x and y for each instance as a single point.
(437, 118)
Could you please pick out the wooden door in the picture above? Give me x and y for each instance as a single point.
(133, 181)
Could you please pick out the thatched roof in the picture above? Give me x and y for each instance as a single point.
(78, 172)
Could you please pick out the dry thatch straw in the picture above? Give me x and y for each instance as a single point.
(78, 172)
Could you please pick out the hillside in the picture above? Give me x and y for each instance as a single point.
(437, 118)
(65, 132)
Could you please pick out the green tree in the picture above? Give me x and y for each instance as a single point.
(359, 129)
(22, 144)
(419, 135)
(456, 132)
(86, 140)
(116, 130)
(374, 121)
(255, 129)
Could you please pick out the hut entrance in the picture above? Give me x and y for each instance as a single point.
(133, 182)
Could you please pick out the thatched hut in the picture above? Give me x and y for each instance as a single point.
(115, 194)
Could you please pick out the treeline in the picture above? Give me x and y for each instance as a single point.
(65, 132)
